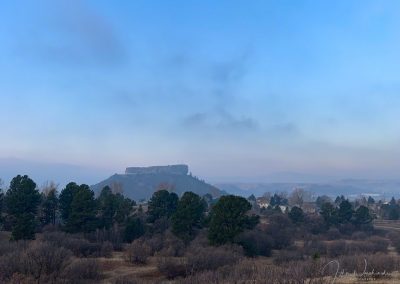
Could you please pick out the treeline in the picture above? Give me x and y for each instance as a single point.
(25, 210)
(325, 214)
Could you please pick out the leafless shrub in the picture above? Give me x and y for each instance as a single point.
(45, 261)
(255, 243)
(12, 263)
(336, 248)
(379, 244)
(156, 242)
(137, 252)
(394, 238)
(172, 246)
(112, 235)
(40, 261)
(201, 239)
(250, 271)
(281, 230)
(370, 246)
(285, 256)
(359, 247)
(83, 248)
(347, 229)
(315, 248)
(368, 263)
(82, 269)
(172, 267)
(315, 224)
(78, 245)
(333, 234)
(18, 278)
(106, 249)
(359, 236)
(210, 258)
(9, 247)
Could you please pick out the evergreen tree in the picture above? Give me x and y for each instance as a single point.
(49, 207)
(22, 200)
(345, 211)
(339, 200)
(296, 215)
(394, 213)
(322, 199)
(107, 205)
(113, 208)
(252, 198)
(188, 216)
(82, 216)
(362, 216)
(371, 200)
(135, 228)
(329, 213)
(229, 219)
(65, 200)
(162, 204)
(278, 199)
(124, 208)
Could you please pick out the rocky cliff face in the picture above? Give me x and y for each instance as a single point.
(140, 183)
(171, 169)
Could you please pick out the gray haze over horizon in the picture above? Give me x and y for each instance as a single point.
(239, 90)
(63, 173)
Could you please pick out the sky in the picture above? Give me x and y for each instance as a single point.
(238, 90)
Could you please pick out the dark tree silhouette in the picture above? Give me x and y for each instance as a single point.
(188, 216)
(296, 215)
(22, 200)
(228, 219)
(162, 205)
(49, 207)
(82, 216)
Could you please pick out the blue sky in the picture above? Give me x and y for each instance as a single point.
(235, 89)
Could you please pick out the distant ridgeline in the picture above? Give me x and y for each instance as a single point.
(141, 182)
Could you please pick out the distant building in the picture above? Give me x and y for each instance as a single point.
(262, 202)
(309, 207)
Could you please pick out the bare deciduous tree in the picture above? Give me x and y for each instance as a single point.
(299, 196)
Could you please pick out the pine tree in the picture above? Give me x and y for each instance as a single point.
(162, 204)
(49, 207)
(345, 211)
(188, 216)
(83, 211)
(22, 200)
(229, 218)
(65, 200)
(329, 213)
(296, 215)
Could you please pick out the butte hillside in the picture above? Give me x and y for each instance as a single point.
(140, 183)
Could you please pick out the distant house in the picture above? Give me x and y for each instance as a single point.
(284, 208)
(309, 207)
(262, 202)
